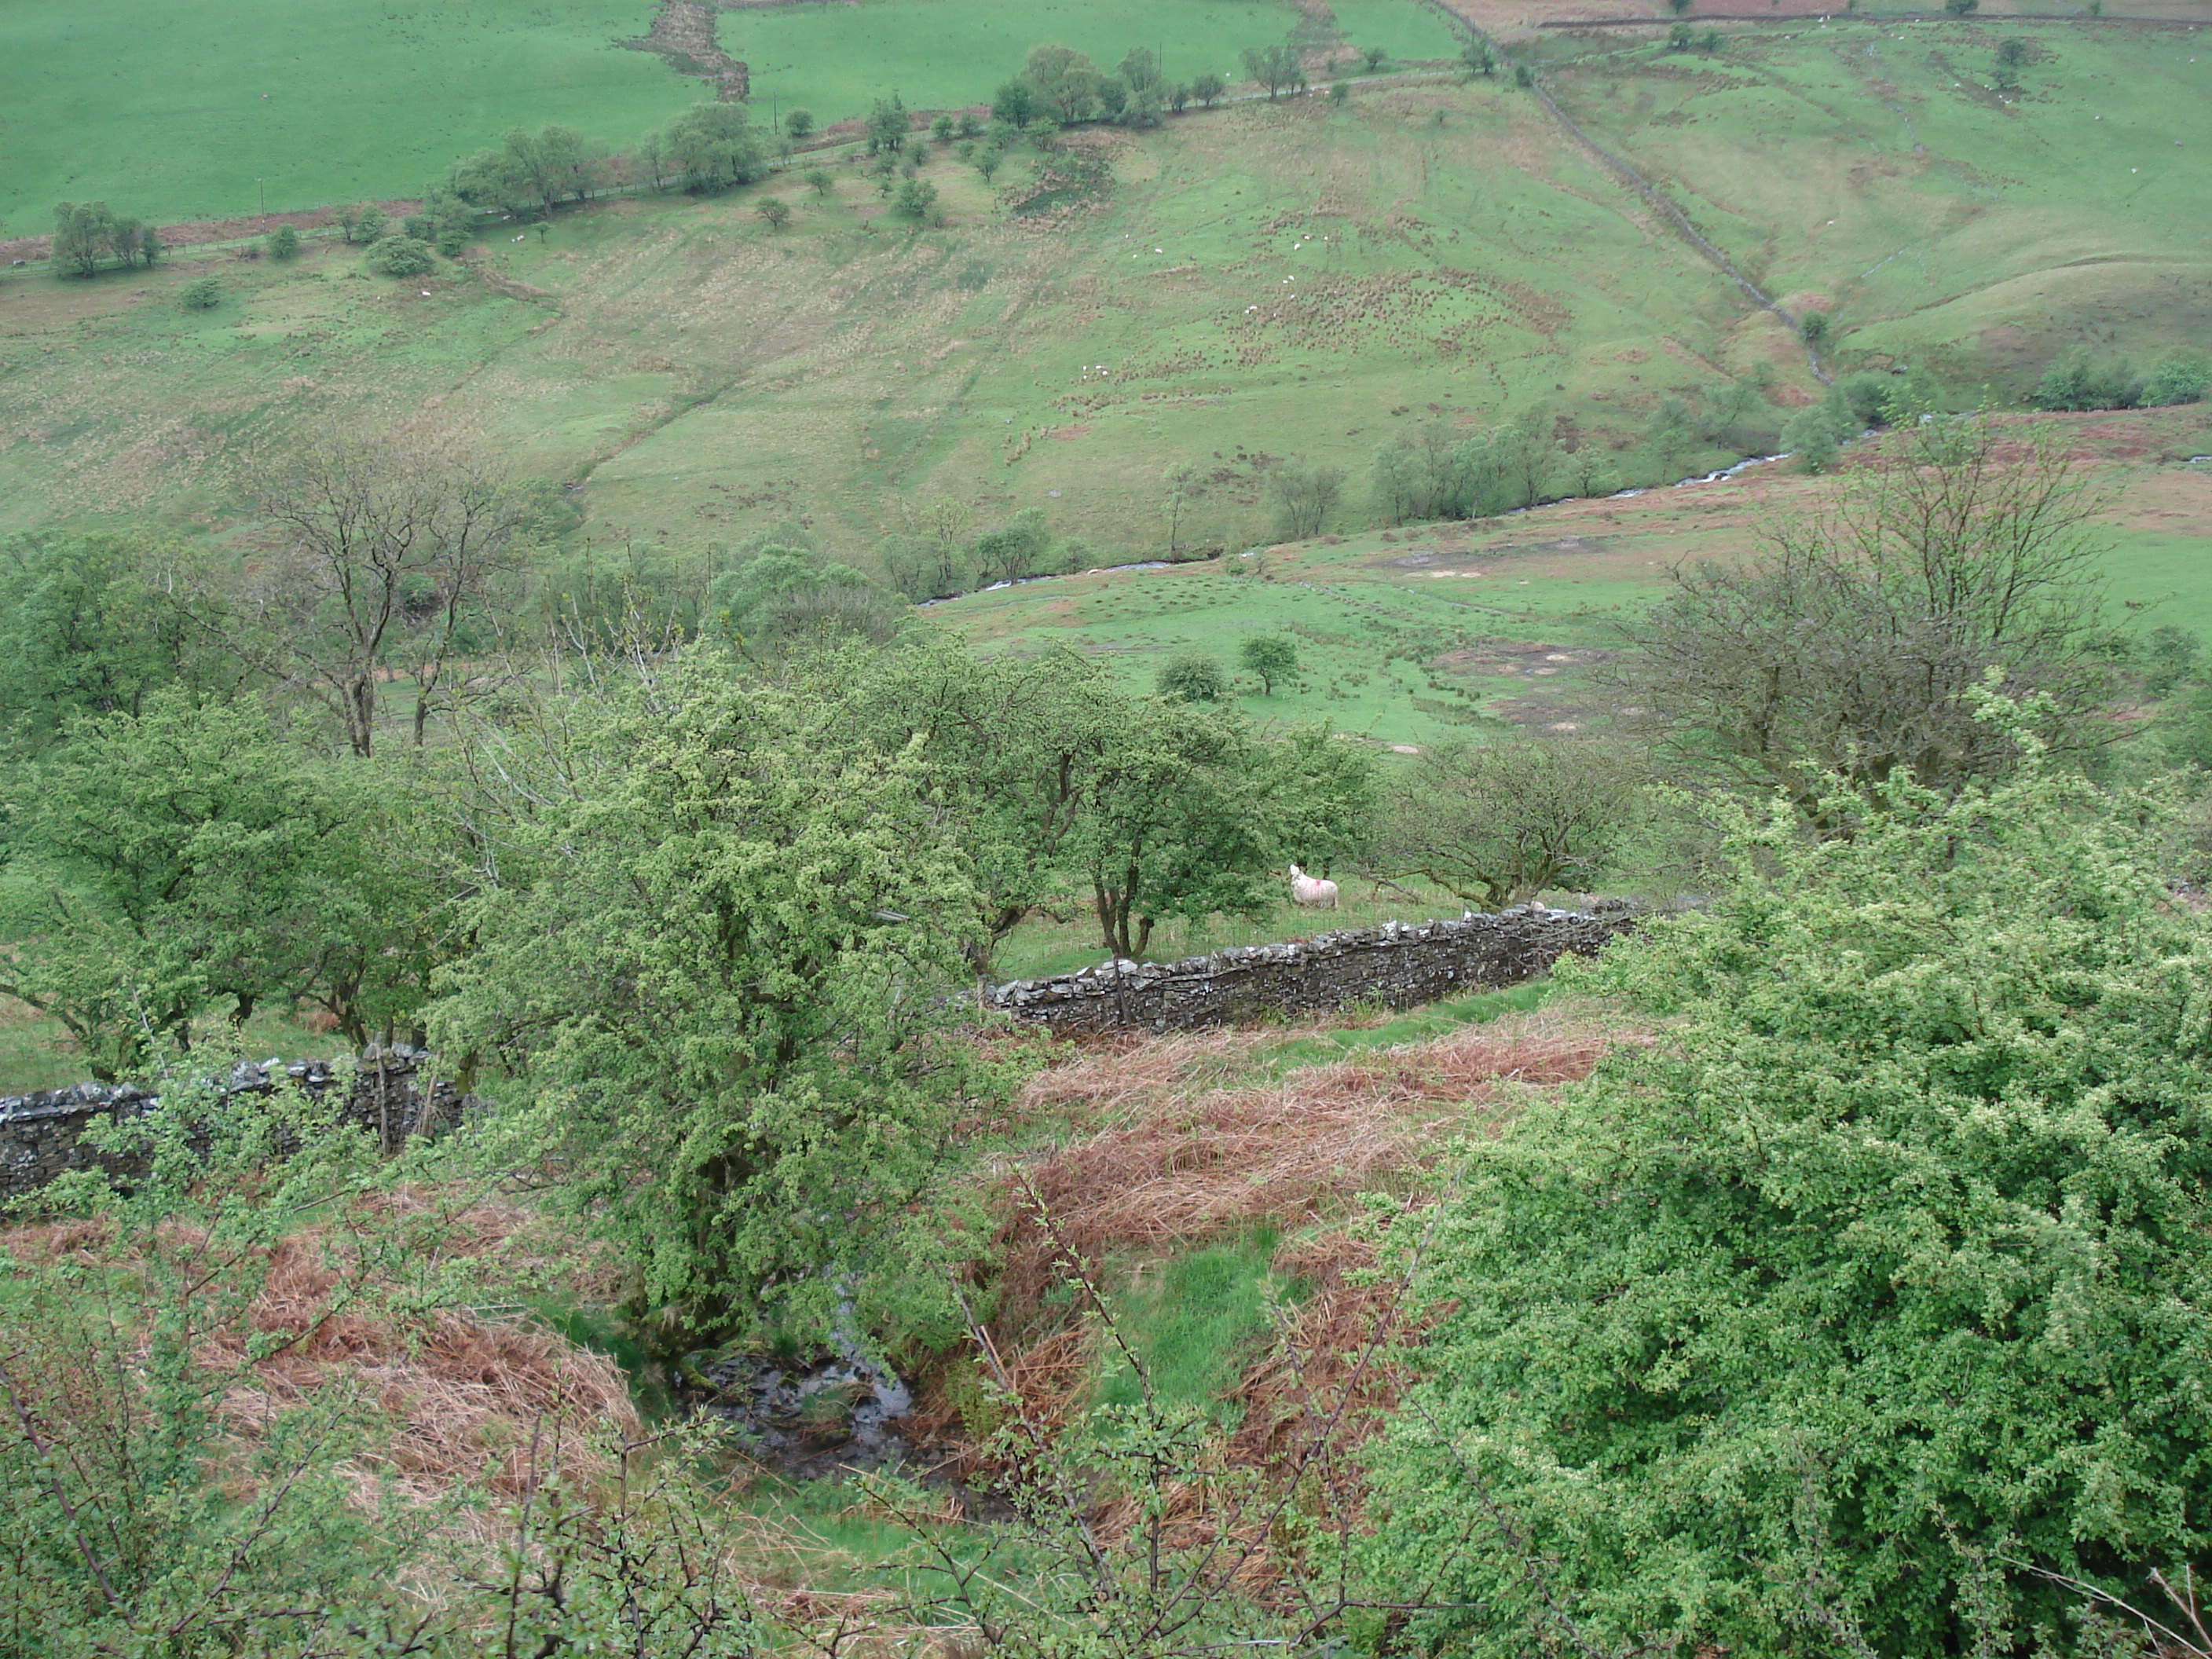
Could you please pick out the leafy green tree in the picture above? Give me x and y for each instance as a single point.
(800, 124)
(776, 210)
(84, 631)
(1500, 824)
(712, 145)
(1207, 88)
(739, 599)
(529, 174)
(1279, 68)
(283, 243)
(1670, 434)
(1179, 96)
(398, 256)
(1192, 676)
(1018, 547)
(1170, 825)
(1961, 8)
(1271, 656)
(1479, 57)
(370, 223)
(2077, 382)
(888, 126)
(1066, 84)
(201, 293)
(1840, 1315)
(1810, 434)
(1316, 792)
(1015, 102)
(2182, 376)
(1813, 327)
(1859, 639)
(987, 161)
(1140, 70)
(1011, 743)
(84, 234)
(1306, 493)
(1679, 37)
(915, 199)
(716, 953)
(1373, 57)
(1339, 92)
(178, 859)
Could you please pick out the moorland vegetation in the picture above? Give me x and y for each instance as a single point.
(631, 620)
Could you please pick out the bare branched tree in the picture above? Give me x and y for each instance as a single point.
(1853, 643)
(388, 543)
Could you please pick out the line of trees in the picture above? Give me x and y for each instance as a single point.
(87, 235)
(1060, 85)
(2078, 380)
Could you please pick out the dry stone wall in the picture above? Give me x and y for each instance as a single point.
(42, 1134)
(1397, 965)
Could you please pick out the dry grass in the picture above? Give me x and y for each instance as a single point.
(1171, 1152)
(461, 1396)
(1175, 1162)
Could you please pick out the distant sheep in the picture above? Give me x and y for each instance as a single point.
(1307, 889)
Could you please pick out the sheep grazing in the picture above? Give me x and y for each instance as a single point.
(1307, 889)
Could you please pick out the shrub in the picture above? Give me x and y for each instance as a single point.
(915, 198)
(201, 293)
(398, 256)
(283, 243)
(2182, 376)
(1832, 1321)
(1810, 434)
(1192, 676)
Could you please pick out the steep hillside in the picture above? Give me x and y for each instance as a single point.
(1247, 285)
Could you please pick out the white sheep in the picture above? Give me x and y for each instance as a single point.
(1308, 889)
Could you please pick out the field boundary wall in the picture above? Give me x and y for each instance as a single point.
(386, 1090)
(1397, 965)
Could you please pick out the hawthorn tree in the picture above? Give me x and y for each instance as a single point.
(1271, 656)
(1854, 1312)
(179, 860)
(1499, 823)
(714, 954)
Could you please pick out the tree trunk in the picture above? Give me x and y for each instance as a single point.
(361, 713)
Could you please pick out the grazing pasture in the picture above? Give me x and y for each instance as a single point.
(173, 112)
(836, 59)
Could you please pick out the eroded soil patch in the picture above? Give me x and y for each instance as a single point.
(683, 35)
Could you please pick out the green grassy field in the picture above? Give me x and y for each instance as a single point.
(206, 110)
(160, 110)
